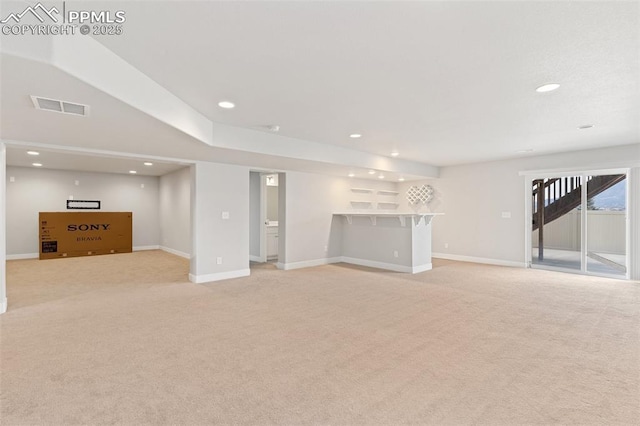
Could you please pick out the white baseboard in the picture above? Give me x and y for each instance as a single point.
(253, 258)
(483, 260)
(143, 248)
(308, 263)
(422, 268)
(206, 278)
(176, 252)
(380, 265)
(23, 256)
(3, 305)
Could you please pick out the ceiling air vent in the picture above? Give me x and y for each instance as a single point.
(60, 106)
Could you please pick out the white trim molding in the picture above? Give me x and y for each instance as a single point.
(219, 276)
(486, 261)
(23, 256)
(253, 258)
(308, 263)
(176, 252)
(387, 266)
(3, 305)
(143, 248)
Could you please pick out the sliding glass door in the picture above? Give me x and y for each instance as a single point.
(579, 223)
(606, 213)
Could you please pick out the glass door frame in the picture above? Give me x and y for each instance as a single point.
(528, 184)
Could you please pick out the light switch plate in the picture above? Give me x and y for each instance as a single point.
(506, 215)
(225, 215)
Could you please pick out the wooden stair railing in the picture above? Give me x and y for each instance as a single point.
(561, 195)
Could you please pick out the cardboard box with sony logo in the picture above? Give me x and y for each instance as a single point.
(64, 234)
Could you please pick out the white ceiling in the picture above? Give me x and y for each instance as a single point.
(443, 83)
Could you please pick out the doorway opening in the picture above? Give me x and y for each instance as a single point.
(266, 217)
(270, 218)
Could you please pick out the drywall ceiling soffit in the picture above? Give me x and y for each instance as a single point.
(64, 160)
(442, 82)
(91, 63)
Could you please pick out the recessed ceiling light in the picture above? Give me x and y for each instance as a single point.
(395, 153)
(133, 172)
(549, 87)
(226, 104)
(351, 174)
(355, 135)
(585, 126)
(36, 164)
(148, 163)
(380, 176)
(400, 179)
(33, 153)
(372, 172)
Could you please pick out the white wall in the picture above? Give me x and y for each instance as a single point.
(474, 196)
(42, 190)
(254, 214)
(216, 189)
(312, 233)
(175, 212)
(272, 203)
(3, 227)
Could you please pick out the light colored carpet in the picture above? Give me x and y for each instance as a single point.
(125, 339)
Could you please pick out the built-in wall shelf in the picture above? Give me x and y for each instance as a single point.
(385, 192)
(402, 217)
(362, 204)
(385, 205)
(362, 190)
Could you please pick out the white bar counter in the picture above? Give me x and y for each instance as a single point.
(395, 241)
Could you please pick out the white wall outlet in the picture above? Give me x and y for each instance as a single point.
(225, 215)
(446, 245)
(77, 183)
(142, 185)
(395, 253)
(12, 178)
(219, 260)
(506, 215)
(326, 249)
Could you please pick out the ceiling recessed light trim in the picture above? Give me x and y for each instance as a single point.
(355, 135)
(226, 104)
(401, 179)
(395, 153)
(372, 172)
(133, 172)
(548, 87)
(148, 163)
(34, 153)
(380, 176)
(36, 164)
(351, 174)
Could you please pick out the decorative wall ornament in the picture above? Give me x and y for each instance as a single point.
(419, 196)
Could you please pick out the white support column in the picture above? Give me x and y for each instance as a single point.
(3, 228)
(219, 222)
(634, 223)
(282, 220)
